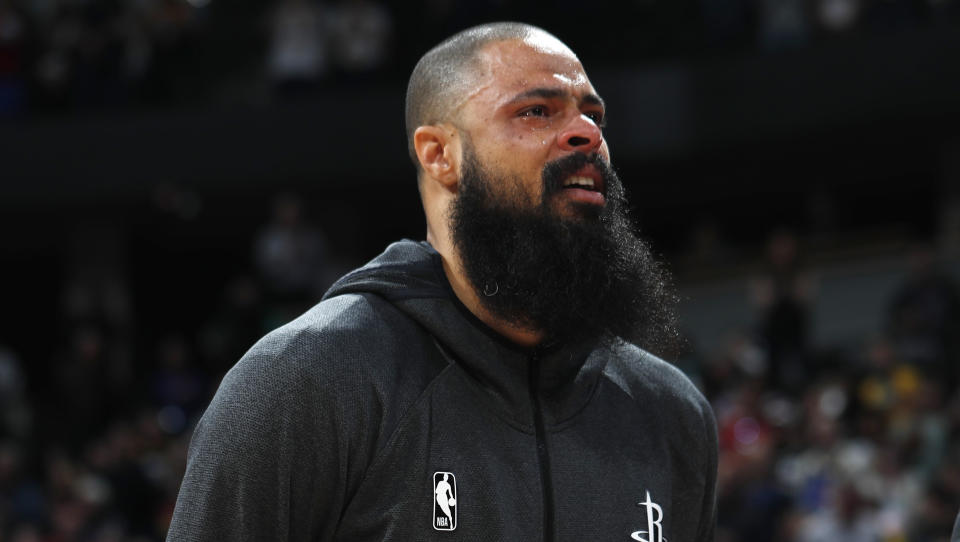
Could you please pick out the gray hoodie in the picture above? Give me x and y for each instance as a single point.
(389, 412)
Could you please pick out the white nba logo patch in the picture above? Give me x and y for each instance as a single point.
(444, 501)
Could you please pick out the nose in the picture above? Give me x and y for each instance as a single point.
(581, 134)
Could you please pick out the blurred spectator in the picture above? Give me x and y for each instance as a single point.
(171, 19)
(291, 254)
(838, 15)
(299, 46)
(783, 24)
(361, 30)
(782, 296)
(707, 251)
(94, 372)
(937, 507)
(751, 498)
(178, 386)
(21, 498)
(95, 286)
(924, 319)
(99, 70)
(16, 418)
(54, 68)
(293, 260)
(850, 519)
(80, 386)
(235, 324)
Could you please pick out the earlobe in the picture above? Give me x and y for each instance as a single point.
(435, 151)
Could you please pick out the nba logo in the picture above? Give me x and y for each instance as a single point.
(444, 501)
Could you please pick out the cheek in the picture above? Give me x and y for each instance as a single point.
(519, 154)
(530, 140)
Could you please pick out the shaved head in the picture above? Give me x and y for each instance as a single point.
(448, 72)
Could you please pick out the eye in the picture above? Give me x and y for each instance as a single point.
(597, 117)
(535, 111)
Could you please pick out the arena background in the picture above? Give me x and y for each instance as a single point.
(178, 177)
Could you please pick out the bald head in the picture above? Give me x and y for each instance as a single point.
(448, 72)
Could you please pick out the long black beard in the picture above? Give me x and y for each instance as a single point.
(570, 278)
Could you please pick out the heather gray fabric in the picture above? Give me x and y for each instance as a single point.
(332, 427)
(955, 537)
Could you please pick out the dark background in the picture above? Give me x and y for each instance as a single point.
(796, 164)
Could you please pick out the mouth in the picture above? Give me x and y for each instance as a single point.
(585, 185)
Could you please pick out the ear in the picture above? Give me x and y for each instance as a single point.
(438, 151)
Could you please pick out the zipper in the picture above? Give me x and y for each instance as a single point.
(543, 457)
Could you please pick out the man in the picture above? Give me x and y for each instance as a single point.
(489, 363)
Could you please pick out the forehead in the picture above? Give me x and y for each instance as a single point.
(506, 68)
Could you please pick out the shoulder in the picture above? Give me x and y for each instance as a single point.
(659, 389)
(645, 376)
(350, 360)
(305, 353)
(344, 339)
(290, 430)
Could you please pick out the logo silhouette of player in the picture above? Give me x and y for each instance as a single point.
(445, 498)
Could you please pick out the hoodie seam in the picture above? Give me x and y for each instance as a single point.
(570, 420)
(404, 420)
(475, 389)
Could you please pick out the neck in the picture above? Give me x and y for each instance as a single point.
(467, 294)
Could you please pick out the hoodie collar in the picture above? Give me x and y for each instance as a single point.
(410, 276)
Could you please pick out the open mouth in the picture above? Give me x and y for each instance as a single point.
(585, 185)
(579, 182)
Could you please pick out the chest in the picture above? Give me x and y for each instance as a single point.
(456, 471)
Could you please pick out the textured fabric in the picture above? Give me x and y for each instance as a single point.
(332, 428)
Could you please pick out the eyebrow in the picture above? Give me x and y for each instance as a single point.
(552, 93)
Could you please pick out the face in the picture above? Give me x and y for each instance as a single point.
(533, 105)
(539, 219)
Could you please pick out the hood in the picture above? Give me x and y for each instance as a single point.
(409, 275)
(405, 270)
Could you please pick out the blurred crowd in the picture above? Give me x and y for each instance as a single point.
(60, 54)
(853, 443)
(817, 442)
(70, 55)
(93, 447)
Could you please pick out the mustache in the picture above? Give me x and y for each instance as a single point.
(555, 172)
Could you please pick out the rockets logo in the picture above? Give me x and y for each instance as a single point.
(654, 532)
